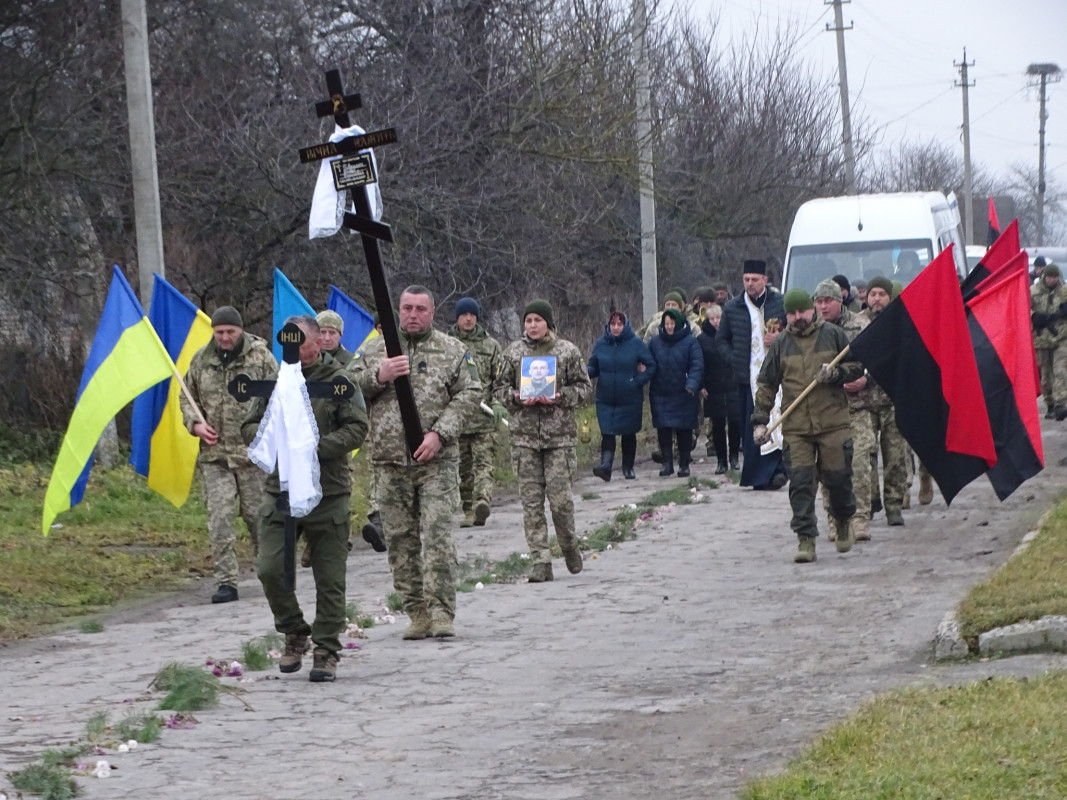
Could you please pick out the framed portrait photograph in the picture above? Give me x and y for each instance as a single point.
(538, 378)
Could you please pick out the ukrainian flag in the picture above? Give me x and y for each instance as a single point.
(162, 449)
(359, 324)
(288, 302)
(126, 358)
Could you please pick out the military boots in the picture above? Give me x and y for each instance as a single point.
(805, 550)
(296, 644)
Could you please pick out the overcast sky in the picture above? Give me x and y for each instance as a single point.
(900, 56)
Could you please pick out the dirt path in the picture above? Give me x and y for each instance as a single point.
(674, 666)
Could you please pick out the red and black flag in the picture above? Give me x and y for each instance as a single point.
(994, 224)
(919, 351)
(997, 258)
(998, 318)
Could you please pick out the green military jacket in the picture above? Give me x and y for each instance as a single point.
(544, 426)
(342, 428)
(340, 355)
(444, 380)
(1047, 301)
(852, 323)
(792, 362)
(207, 379)
(487, 354)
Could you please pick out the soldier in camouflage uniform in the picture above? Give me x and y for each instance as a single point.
(227, 477)
(476, 443)
(817, 437)
(543, 437)
(331, 329)
(889, 442)
(1047, 296)
(416, 494)
(341, 428)
(828, 302)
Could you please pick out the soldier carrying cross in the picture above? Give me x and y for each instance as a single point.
(337, 425)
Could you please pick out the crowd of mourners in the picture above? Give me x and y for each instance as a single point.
(717, 365)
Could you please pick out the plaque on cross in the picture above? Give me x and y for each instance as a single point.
(371, 232)
(243, 389)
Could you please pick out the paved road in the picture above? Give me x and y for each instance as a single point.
(674, 666)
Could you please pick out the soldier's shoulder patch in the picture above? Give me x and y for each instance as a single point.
(470, 359)
(357, 354)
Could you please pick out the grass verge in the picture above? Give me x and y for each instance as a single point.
(1031, 585)
(121, 541)
(994, 739)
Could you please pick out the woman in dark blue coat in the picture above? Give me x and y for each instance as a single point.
(623, 365)
(721, 406)
(674, 391)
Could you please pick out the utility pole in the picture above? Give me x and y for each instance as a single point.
(846, 118)
(1046, 73)
(146, 214)
(649, 279)
(968, 189)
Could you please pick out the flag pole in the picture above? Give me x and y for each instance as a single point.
(188, 394)
(805, 393)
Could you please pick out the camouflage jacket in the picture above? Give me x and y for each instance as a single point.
(792, 362)
(487, 354)
(342, 429)
(873, 397)
(852, 323)
(444, 380)
(207, 380)
(1047, 301)
(544, 426)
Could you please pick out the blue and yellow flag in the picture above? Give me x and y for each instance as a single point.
(162, 449)
(359, 324)
(288, 302)
(126, 358)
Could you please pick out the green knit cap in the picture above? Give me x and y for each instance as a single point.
(542, 309)
(798, 300)
(1051, 269)
(676, 297)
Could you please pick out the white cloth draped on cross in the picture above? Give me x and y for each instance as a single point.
(289, 437)
(328, 204)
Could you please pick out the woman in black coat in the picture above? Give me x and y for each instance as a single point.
(622, 364)
(721, 405)
(673, 392)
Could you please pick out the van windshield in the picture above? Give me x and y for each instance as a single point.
(896, 259)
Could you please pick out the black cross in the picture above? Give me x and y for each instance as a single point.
(243, 388)
(370, 232)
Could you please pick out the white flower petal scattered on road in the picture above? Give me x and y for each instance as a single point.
(132, 744)
(124, 748)
(524, 556)
(102, 769)
(478, 585)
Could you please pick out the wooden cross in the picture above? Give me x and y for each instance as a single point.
(243, 388)
(371, 232)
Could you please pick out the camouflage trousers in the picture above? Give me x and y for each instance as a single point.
(812, 457)
(225, 490)
(546, 475)
(476, 469)
(416, 504)
(863, 445)
(325, 530)
(1052, 364)
(895, 453)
